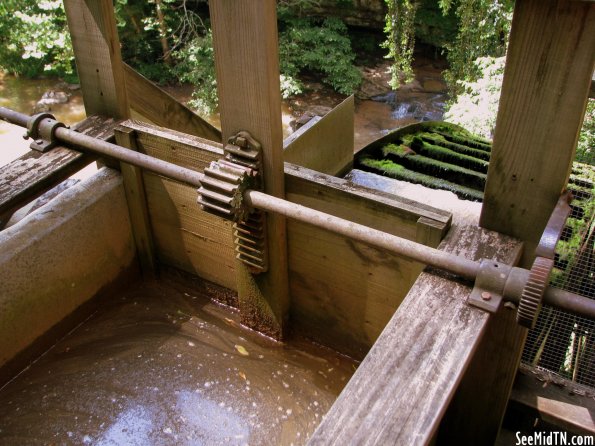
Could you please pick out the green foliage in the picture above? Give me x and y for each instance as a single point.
(34, 39)
(196, 65)
(434, 25)
(320, 46)
(400, 41)
(484, 26)
(585, 151)
(476, 105)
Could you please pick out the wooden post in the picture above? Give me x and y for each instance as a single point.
(136, 200)
(96, 47)
(544, 94)
(246, 60)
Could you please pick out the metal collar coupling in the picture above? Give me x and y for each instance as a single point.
(42, 129)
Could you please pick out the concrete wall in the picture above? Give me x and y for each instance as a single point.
(59, 257)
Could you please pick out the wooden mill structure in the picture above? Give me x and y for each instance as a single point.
(434, 368)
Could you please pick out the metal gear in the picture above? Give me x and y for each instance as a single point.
(530, 303)
(222, 188)
(222, 193)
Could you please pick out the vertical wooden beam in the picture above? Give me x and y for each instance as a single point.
(97, 53)
(546, 84)
(247, 64)
(136, 200)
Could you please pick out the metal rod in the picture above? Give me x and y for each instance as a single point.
(574, 303)
(461, 266)
(14, 117)
(170, 170)
(88, 143)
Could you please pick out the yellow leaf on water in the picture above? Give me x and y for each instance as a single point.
(243, 375)
(241, 350)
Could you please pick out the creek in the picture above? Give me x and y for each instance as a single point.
(377, 110)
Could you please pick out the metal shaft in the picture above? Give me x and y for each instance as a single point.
(465, 268)
(461, 266)
(88, 143)
(173, 171)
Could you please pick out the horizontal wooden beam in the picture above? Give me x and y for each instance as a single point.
(34, 173)
(401, 390)
(155, 104)
(556, 403)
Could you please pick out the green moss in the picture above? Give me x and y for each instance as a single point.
(447, 171)
(444, 154)
(399, 172)
(468, 139)
(439, 140)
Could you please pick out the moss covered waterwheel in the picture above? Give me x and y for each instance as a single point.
(436, 154)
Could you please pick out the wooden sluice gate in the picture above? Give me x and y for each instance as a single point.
(342, 265)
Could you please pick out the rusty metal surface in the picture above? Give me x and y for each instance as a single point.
(554, 227)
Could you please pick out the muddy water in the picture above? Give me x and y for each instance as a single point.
(162, 365)
(22, 94)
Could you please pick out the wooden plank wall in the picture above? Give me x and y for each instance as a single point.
(342, 293)
(546, 84)
(159, 107)
(327, 146)
(34, 173)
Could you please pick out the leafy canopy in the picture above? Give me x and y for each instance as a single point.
(482, 28)
(34, 38)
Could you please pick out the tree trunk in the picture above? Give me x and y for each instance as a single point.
(163, 33)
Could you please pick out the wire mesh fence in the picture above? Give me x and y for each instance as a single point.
(562, 343)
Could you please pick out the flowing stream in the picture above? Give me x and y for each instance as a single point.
(422, 99)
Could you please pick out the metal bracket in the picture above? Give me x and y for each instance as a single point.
(42, 129)
(221, 193)
(488, 291)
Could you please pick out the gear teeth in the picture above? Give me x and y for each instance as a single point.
(222, 188)
(222, 193)
(530, 303)
(250, 241)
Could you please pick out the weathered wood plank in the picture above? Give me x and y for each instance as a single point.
(360, 204)
(475, 414)
(160, 107)
(96, 47)
(186, 237)
(401, 390)
(136, 201)
(247, 65)
(546, 84)
(327, 146)
(29, 176)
